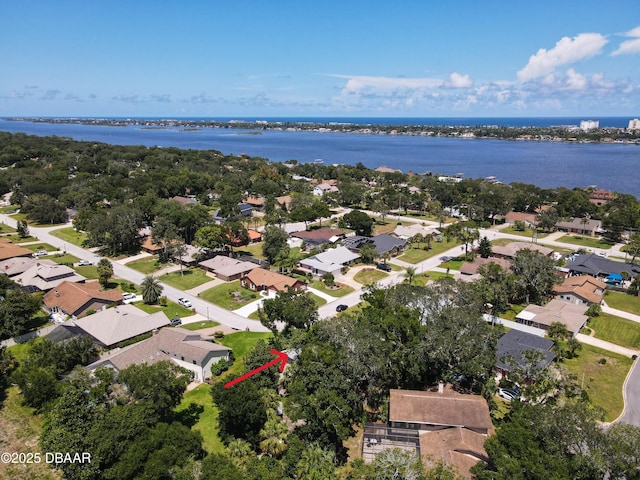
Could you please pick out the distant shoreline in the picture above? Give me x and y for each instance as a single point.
(554, 133)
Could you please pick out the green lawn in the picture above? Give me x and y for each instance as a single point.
(64, 258)
(207, 423)
(422, 279)
(69, 234)
(622, 301)
(510, 314)
(221, 295)
(603, 382)
(190, 278)
(18, 239)
(171, 310)
(253, 249)
(453, 264)
(240, 343)
(582, 241)
(417, 253)
(527, 232)
(368, 276)
(340, 292)
(200, 325)
(319, 301)
(40, 246)
(146, 265)
(616, 330)
(88, 271)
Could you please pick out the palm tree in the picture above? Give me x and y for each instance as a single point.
(240, 451)
(105, 271)
(316, 463)
(410, 272)
(273, 436)
(151, 289)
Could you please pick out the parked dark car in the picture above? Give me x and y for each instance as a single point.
(384, 267)
(174, 322)
(341, 308)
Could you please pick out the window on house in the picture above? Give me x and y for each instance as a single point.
(194, 362)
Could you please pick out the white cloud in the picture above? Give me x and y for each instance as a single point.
(356, 84)
(629, 46)
(575, 80)
(567, 50)
(458, 80)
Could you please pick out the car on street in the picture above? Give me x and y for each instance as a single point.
(84, 263)
(174, 322)
(185, 303)
(384, 267)
(341, 308)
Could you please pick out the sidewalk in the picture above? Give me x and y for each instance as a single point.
(611, 347)
(620, 313)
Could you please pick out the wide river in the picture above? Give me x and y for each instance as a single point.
(546, 164)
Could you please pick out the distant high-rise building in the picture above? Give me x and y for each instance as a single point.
(634, 124)
(589, 124)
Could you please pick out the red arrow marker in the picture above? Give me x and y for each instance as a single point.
(282, 359)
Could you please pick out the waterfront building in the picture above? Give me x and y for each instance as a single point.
(634, 124)
(586, 125)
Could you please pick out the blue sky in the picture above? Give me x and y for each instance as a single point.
(330, 58)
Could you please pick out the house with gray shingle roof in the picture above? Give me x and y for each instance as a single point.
(183, 347)
(111, 326)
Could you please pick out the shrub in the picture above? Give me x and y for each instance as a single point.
(602, 361)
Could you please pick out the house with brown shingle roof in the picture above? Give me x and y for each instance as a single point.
(581, 226)
(227, 268)
(11, 250)
(75, 299)
(260, 279)
(581, 290)
(511, 249)
(471, 268)
(319, 236)
(601, 196)
(182, 347)
(450, 426)
(530, 219)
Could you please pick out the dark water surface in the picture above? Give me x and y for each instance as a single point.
(546, 164)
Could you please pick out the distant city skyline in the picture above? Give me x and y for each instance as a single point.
(330, 59)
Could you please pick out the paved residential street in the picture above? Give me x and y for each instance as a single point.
(236, 320)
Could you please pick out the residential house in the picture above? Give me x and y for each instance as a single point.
(257, 203)
(254, 236)
(387, 170)
(570, 315)
(411, 230)
(76, 299)
(17, 265)
(331, 261)
(511, 249)
(384, 243)
(319, 236)
(188, 200)
(322, 188)
(512, 348)
(263, 280)
(110, 326)
(601, 196)
(246, 209)
(439, 425)
(284, 201)
(11, 250)
(150, 247)
(183, 347)
(471, 268)
(581, 290)
(191, 255)
(598, 266)
(529, 219)
(45, 276)
(581, 226)
(227, 268)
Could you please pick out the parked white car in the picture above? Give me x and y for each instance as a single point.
(84, 263)
(185, 303)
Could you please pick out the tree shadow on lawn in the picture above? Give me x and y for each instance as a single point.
(190, 415)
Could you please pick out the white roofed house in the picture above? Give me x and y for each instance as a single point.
(322, 188)
(330, 261)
